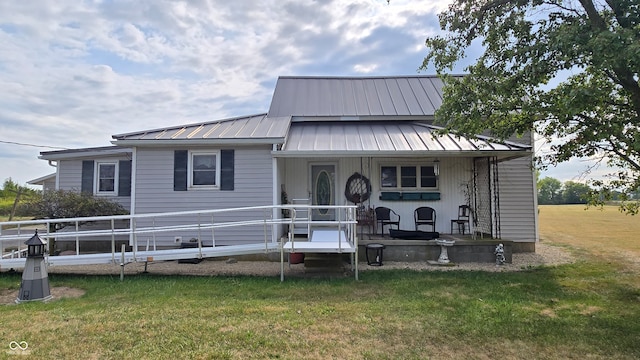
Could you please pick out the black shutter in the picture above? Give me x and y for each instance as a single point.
(124, 181)
(226, 169)
(180, 159)
(87, 177)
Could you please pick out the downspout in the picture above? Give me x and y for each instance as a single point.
(534, 182)
(57, 174)
(275, 229)
(134, 171)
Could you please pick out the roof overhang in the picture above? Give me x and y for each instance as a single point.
(84, 153)
(500, 155)
(392, 139)
(41, 180)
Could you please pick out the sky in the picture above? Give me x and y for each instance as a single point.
(73, 73)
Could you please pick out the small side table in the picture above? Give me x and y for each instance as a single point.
(376, 250)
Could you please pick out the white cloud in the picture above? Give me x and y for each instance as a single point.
(74, 73)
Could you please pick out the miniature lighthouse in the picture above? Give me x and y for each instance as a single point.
(35, 281)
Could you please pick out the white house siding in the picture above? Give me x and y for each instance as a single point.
(49, 184)
(70, 178)
(252, 187)
(518, 221)
(69, 174)
(454, 173)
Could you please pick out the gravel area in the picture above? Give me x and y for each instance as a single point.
(545, 255)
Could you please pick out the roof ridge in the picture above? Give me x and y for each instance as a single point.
(355, 77)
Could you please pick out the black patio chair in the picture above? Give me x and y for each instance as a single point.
(425, 216)
(463, 220)
(386, 216)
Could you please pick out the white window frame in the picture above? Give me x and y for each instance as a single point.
(190, 169)
(96, 183)
(419, 186)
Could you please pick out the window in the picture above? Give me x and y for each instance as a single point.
(204, 169)
(410, 177)
(106, 179)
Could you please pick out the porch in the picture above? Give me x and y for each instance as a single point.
(465, 249)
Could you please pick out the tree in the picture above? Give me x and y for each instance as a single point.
(57, 204)
(549, 191)
(520, 81)
(13, 192)
(575, 193)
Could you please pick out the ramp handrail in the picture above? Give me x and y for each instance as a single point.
(24, 229)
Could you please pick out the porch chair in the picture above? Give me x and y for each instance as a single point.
(386, 216)
(425, 215)
(463, 220)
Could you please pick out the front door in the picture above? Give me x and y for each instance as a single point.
(323, 190)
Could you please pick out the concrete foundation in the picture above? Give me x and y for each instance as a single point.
(426, 250)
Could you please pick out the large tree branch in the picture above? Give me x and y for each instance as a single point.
(623, 21)
(623, 76)
(565, 8)
(594, 16)
(624, 156)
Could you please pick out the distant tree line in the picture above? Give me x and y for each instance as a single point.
(553, 192)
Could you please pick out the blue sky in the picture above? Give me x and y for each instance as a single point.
(74, 73)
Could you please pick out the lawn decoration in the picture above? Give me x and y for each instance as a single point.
(499, 252)
(358, 188)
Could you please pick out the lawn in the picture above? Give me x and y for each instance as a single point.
(604, 231)
(590, 309)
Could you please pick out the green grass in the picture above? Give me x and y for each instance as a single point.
(590, 309)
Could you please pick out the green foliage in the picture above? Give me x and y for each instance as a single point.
(11, 188)
(11, 194)
(575, 193)
(549, 191)
(528, 47)
(552, 192)
(69, 204)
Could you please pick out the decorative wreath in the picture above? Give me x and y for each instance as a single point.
(358, 188)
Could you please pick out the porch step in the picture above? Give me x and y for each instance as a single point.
(319, 263)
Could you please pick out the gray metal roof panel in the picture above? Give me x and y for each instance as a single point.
(251, 128)
(356, 96)
(376, 137)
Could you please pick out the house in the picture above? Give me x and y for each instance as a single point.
(48, 182)
(319, 133)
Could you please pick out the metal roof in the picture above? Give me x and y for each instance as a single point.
(241, 130)
(84, 152)
(357, 96)
(393, 139)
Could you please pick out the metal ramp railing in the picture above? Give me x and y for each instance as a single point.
(14, 234)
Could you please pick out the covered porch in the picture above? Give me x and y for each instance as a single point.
(401, 167)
